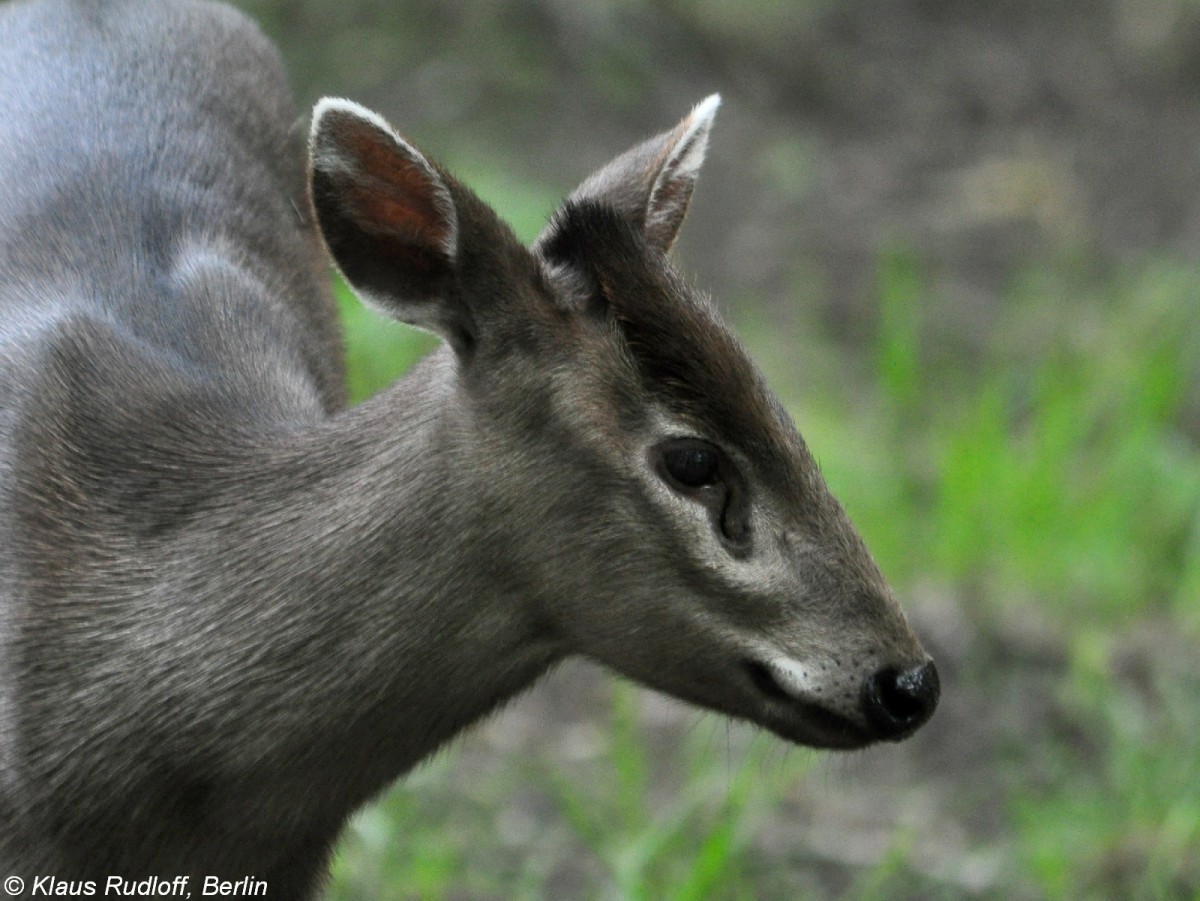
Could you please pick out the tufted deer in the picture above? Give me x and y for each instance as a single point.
(231, 610)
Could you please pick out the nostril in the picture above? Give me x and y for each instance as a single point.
(897, 702)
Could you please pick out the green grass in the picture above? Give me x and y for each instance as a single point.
(1052, 479)
(689, 846)
(1064, 472)
(1064, 491)
(1119, 817)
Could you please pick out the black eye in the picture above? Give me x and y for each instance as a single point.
(692, 464)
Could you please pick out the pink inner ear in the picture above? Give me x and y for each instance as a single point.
(391, 193)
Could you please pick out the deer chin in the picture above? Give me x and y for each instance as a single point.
(790, 710)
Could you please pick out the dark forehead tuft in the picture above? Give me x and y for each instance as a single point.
(686, 356)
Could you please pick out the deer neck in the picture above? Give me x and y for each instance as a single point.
(406, 600)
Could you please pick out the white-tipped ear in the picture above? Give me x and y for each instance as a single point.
(651, 184)
(357, 147)
(693, 142)
(672, 191)
(408, 237)
(387, 215)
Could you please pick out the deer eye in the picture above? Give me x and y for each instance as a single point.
(691, 464)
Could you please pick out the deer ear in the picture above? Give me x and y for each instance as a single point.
(651, 184)
(388, 216)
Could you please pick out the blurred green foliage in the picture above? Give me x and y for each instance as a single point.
(1060, 468)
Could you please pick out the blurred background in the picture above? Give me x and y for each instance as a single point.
(963, 241)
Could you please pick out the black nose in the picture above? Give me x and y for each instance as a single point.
(897, 702)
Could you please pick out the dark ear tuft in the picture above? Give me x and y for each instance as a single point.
(565, 240)
(588, 239)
